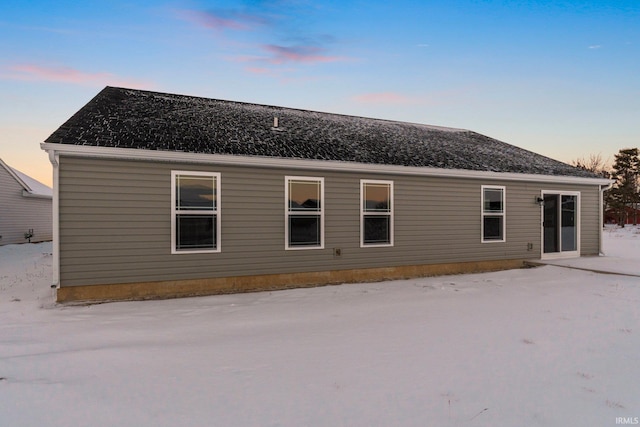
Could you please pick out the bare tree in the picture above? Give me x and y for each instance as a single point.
(594, 163)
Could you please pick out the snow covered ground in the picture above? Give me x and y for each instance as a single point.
(549, 346)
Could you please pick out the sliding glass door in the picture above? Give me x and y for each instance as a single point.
(560, 224)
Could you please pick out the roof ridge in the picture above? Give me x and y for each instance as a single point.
(302, 110)
(151, 120)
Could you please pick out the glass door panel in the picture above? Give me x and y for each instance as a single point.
(569, 236)
(560, 220)
(550, 223)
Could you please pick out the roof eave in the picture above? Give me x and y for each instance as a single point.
(33, 195)
(296, 163)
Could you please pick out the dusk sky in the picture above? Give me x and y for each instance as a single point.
(561, 77)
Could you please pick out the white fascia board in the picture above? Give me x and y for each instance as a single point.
(293, 163)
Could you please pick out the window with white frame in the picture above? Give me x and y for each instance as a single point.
(376, 213)
(493, 213)
(304, 212)
(195, 206)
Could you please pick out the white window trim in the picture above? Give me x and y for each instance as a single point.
(390, 214)
(310, 213)
(561, 253)
(216, 212)
(503, 214)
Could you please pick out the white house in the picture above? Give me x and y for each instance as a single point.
(25, 208)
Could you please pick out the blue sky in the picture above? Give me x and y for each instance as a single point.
(561, 78)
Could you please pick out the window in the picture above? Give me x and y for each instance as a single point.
(304, 212)
(493, 214)
(195, 206)
(376, 213)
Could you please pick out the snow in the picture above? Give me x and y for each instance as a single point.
(137, 119)
(621, 259)
(549, 346)
(37, 188)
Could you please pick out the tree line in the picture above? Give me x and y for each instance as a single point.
(623, 198)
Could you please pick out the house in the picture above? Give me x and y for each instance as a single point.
(25, 208)
(159, 195)
(630, 215)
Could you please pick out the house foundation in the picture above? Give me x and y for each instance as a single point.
(271, 282)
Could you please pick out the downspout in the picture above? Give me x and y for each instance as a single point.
(603, 188)
(54, 158)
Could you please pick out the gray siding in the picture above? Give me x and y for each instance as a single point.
(591, 223)
(115, 223)
(18, 214)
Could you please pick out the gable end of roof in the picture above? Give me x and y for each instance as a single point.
(30, 186)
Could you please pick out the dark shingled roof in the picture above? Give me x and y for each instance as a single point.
(128, 118)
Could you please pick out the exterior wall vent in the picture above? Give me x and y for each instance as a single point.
(276, 124)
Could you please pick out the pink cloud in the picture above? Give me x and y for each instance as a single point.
(282, 54)
(219, 22)
(278, 55)
(389, 98)
(34, 72)
(284, 74)
(258, 70)
(235, 20)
